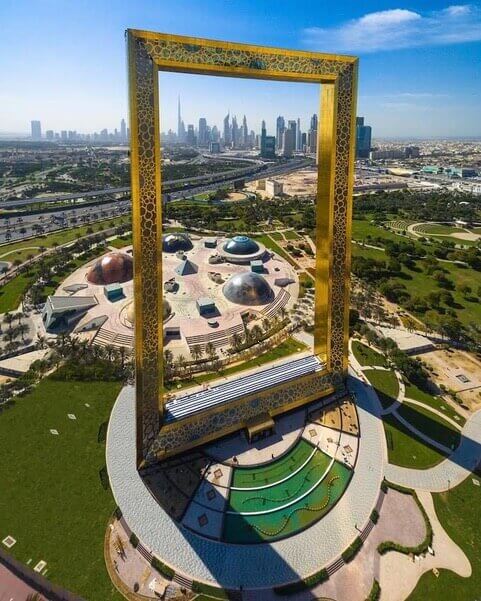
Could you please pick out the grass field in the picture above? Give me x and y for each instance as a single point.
(430, 424)
(459, 512)
(276, 236)
(435, 228)
(121, 242)
(21, 250)
(269, 243)
(366, 355)
(52, 500)
(413, 392)
(291, 235)
(362, 228)
(406, 449)
(288, 347)
(386, 385)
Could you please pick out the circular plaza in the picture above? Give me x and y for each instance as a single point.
(214, 513)
(213, 288)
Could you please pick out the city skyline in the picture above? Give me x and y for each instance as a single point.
(408, 59)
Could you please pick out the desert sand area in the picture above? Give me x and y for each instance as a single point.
(449, 366)
(297, 183)
(470, 236)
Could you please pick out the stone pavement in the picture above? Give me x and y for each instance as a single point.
(231, 565)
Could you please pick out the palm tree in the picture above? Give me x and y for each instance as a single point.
(196, 352)
(210, 350)
(266, 324)
(257, 332)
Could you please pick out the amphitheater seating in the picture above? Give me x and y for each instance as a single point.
(277, 304)
(105, 337)
(218, 339)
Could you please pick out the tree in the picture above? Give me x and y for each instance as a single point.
(196, 352)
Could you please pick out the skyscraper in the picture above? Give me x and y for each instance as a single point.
(289, 139)
(191, 139)
(268, 143)
(227, 136)
(312, 135)
(180, 125)
(123, 131)
(203, 141)
(299, 135)
(244, 133)
(36, 129)
(363, 139)
(280, 126)
(235, 133)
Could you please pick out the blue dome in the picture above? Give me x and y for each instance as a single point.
(241, 245)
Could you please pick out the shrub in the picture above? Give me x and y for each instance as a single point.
(162, 568)
(102, 434)
(374, 516)
(118, 513)
(206, 589)
(350, 553)
(302, 585)
(134, 541)
(104, 478)
(375, 592)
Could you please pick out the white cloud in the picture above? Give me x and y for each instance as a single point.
(399, 28)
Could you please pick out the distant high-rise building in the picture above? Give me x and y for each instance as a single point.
(36, 129)
(363, 139)
(268, 144)
(303, 141)
(244, 133)
(215, 134)
(312, 134)
(123, 131)
(289, 139)
(235, 133)
(299, 136)
(280, 126)
(227, 135)
(63, 134)
(191, 139)
(49, 134)
(203, 141)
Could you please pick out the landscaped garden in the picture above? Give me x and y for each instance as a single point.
(365, 355)
(386, 385)
(52, 500)
(430, 424)
(406, 449)
(459, 511)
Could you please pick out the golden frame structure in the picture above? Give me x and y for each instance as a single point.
(149, 53)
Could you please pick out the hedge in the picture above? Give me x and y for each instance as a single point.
(134, 541)
(374, 516)
(375, 592)
(388, 545)
(302, 585)
(163, 569)
(104, 478)
(207, 589)
(350, 553)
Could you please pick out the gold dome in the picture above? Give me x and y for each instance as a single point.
(113, 268)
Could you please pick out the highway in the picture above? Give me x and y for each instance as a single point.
(27, 224)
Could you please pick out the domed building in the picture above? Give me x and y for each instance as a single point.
(248, 288)
(172, 243)
(130, 311)
(242, 249)
(113, 268)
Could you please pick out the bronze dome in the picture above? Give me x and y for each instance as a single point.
(248, 288)
(113, 268)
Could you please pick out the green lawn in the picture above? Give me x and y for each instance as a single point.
(12, 292)
(288, 347)
(291, 235)
(459, 512)
(48, 241)
(276, 236)
(436, 228)
(121, 242)
(406, 449)
(362, 228)
(366, 355)
(385, 383)
(268, 242)
(430, 424)
(52, 500)
(413, 392)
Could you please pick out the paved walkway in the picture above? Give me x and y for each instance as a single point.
(231, 565)
(12, 588)
(450, 472)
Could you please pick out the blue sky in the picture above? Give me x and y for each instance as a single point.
(63, 61)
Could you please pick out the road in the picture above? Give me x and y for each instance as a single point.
(29, 224)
